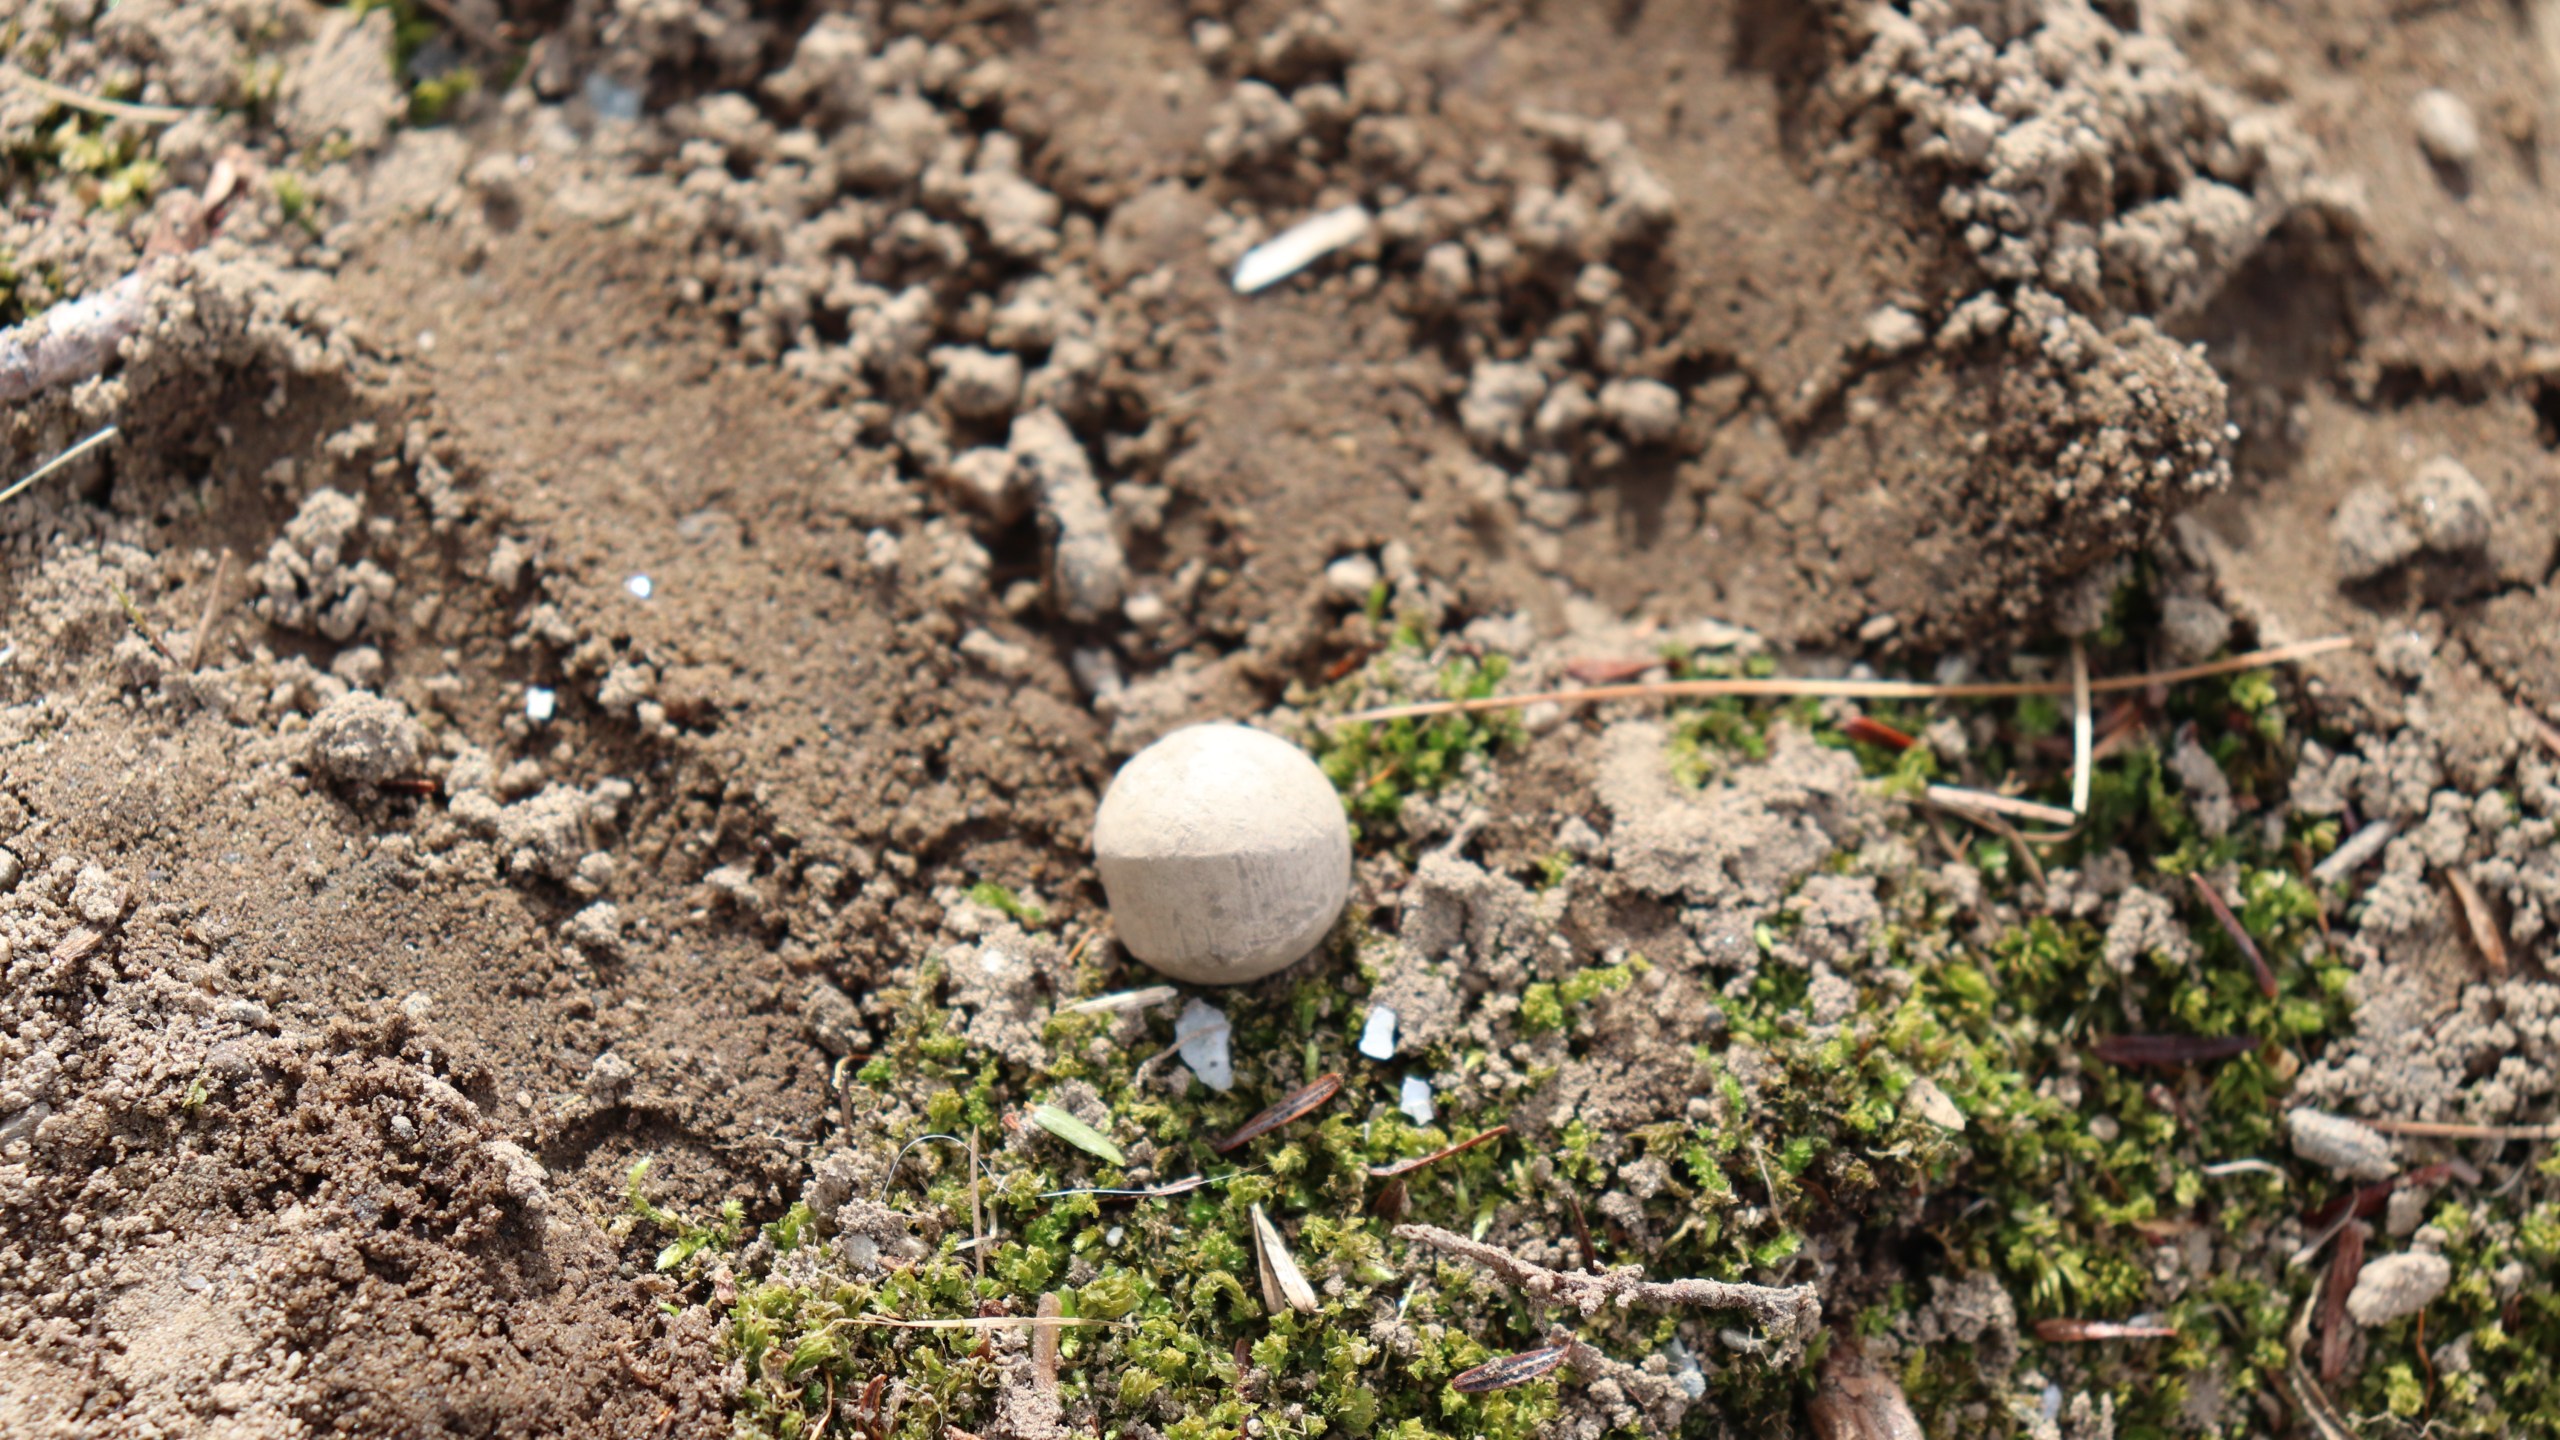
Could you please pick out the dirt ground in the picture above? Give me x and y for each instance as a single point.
(593, 554)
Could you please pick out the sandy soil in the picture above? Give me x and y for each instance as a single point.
(576, 576)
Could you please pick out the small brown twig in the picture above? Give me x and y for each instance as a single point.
(1991, 821)
(212, 606)
(1044, 1344)
(1789, 1313)
(2240, 937)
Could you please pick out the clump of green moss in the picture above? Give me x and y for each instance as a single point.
(1794, 1139)
(1377, 767)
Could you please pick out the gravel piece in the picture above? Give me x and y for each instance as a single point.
(362, 738)
(1088, 569)
(2372, 535)
(2447, 130)
(2451, 507)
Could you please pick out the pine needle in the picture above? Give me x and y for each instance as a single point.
(58, 461)
(2456, 1130)
(93, 104)
(2082, 727)
(1786, 689)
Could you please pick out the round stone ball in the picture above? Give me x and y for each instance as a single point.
(1224, 853)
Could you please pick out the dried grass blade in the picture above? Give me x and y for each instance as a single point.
(1510, 1370)
(2072, 1332)
(1282, 1282)
(86, 445)
(2345, 1263)
(1123, 1000)
(1077, 1133)
(1957, 797)
(2083, 736)
(2313, 1401)
(1298, 1103)
(2240, 937)
(1394, 1168)
(2484, 926)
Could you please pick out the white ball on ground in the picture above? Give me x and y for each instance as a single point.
(1224, 854)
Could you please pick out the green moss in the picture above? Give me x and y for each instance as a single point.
(997, 898)
(1377, 767)
(1801, 1140)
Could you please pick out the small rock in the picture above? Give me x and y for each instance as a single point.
(2447, 129)
(609, 1079)
(2371, 533)
(1647, 412)
(986, 480)
(2193, 628)
(418, 1005)
(10, 869)
(598, 928)
(1501, 396)
(1932, 1104)
(525, 1180)
(1350, 579)
(99, 897)
(362, 738)
(2398, 1285)
(1892, 330)
(2355, 1151)
(2452, 507)
(834, 1021)
(978, 384)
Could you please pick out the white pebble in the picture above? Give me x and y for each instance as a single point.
(1378, 1034)
(640, 587)
(1415, 1101)
(540, 704)
(2446, 127)
(1224, 854)
(1113, 1235)
(1300, 246)
(1350, 579)
(1204, 1034)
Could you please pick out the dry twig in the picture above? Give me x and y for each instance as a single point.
(1789, 1313)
